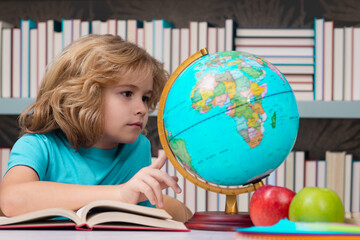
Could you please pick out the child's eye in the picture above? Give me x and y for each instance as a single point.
(126, 94)
(145, 98)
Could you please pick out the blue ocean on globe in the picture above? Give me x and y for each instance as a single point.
(231, 118)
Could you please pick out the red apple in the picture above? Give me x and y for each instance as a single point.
(269, 204)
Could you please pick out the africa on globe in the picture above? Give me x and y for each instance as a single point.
(228, 118)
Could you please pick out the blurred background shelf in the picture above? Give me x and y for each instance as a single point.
(315, 109)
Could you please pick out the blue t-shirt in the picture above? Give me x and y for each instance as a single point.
(52, 158)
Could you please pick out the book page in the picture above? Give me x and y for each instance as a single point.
(122, 217)
(107, 205)
(41, 214)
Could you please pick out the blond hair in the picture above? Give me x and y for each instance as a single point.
(70, 97)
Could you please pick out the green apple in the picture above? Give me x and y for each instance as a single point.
(314, 204)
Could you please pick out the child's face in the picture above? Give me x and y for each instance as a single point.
(126, 110)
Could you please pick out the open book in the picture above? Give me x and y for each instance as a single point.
(102, 214)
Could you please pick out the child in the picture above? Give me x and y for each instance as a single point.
(81, 139)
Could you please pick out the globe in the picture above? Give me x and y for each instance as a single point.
(227, 119)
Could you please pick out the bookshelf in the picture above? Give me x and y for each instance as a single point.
(307, 109)
(323, 125)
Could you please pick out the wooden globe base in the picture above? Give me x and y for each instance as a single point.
(219, 221)
(229, 220)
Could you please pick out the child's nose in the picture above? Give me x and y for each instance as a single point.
(141, 107)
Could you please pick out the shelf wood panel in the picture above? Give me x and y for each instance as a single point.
(307, 109)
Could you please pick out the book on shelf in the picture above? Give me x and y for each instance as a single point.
(4, 27)
(194, 36)
(25, 26)
(112, 26)
(299, 78)
(348, 62)
(190, 195)
(229, 34)
(296, 69)
(6, 58)
(52, 26)
(58, 42)
(304, 95)
(319, 57)
(167, 49)
(33, 62)
(355, 187)
(203, 36)
(140, 37)
(76, 29)
(222, 202)
(338, 64)
(271, 179)
(16, 63)
(347, 182)
(211, 200)
(158, 39)
(201, 199)
(299, 180)
(290, 60)
(243, 200)
(4, 159)
(355, 64)
(320, 173)
(103, 214)
(212, 40)
(67, 28)
(175, 49)
(121, 28)
(310, 173)
(85, 28)
(278, 51)
(104, 27)
(148, 34)
(95, 26)
(41, 51)
(281, 174)
(274, 41)
(328, 60)
(221, 39)
(335, 165)
(275, 32)
(290, 171)
(301, 86)
(132, 25)
(184, 44)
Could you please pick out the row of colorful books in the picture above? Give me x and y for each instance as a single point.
(337, 52)
(26, 51)
(291, 50)
(338, 171)
(320, 63)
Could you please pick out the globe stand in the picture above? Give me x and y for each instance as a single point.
(229, 220)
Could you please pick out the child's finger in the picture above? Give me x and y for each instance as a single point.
(156, 189)
(166, 180)
(148, 192)
(160, 161)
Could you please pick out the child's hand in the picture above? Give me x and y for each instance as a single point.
(148, 184)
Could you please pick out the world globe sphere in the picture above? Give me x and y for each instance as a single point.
(227, 118)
